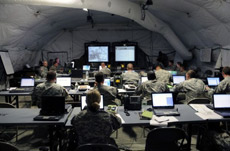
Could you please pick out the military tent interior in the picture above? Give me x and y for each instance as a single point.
(195, 32)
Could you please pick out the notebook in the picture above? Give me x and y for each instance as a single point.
(86, 67)
(84, 104)
(107, 82)
(143, 79)
(52, 108)
(163, 104)
(213, 81)
(221, 104)
(178, 79)
(64, 81)
(26, 85)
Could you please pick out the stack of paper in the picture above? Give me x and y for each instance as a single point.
(204, 112)
(162, 120)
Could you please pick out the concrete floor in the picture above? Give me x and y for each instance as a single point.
(133, 140)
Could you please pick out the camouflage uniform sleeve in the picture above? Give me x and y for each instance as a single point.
(65, 93)
(179, 87)
(116, 122)
(221, 87)
(139, 89)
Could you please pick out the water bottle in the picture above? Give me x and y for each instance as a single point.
(87, 75)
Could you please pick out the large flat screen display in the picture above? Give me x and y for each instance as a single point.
(98, 53)
(124, 53)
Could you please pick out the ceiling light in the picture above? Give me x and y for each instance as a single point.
(85, 9)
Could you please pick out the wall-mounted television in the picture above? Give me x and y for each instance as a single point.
(125, 53)
(98, 52)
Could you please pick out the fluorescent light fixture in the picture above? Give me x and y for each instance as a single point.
(85, 9)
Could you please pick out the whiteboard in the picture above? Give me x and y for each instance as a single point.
(7, 63)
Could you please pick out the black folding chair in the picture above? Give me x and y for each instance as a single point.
(97, 147)
(165, 139)
(7, 147)
(199, 101)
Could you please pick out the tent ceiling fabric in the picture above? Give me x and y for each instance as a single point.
(26, 24)
(122, 8)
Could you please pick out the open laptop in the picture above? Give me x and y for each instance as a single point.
(52, 108)
(221, 104)
(213, 81)
(64, 81)
(86, 67)
(143, 79)
(178, 79)
(163, 104)
(84, 104)
(107, 82)
(26, 85)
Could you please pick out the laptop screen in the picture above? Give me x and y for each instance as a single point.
(173, 72)
(27, 82)
(143, 79)
(162, 100)
(107, 82)
(64, 81)
(83, 102)
(86, 67)
(178, 79)
(52, 105)
(213, 81)
(221, 101)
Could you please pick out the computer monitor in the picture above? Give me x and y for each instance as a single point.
(178, 79)
(64, 81)
(27, 82)
(84, 104)
(173, 72)
(107, 82)
(86, 67)
(162, 100)
(125, 53)
(213, 81)
(98, 53)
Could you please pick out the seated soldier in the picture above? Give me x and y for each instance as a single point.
(106, 71)
(109, 92)
(150, 86)
(43, 69)
(48, 88)
(95, 126)
(130, 77)
(162, 75)
(193, 87)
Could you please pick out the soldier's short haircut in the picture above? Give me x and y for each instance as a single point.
(159, 65)
(99, 77)
(93, 98)
(226, 70)
(130, 66)
(191, 73)
(51, 75)
(151, 75)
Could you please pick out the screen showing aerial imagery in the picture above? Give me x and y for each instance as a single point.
(98, 53)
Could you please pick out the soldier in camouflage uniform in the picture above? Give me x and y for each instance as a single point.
(130, 76)
(54, 67)
(109, 92)
(92, 125)
(106, 71)
(193, 87)
(162, 75)
(48, 88)
(44, 69)
(224, 86)
(150, 86)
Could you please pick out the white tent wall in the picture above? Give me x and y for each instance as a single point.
(73, 41)
(122, 8)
